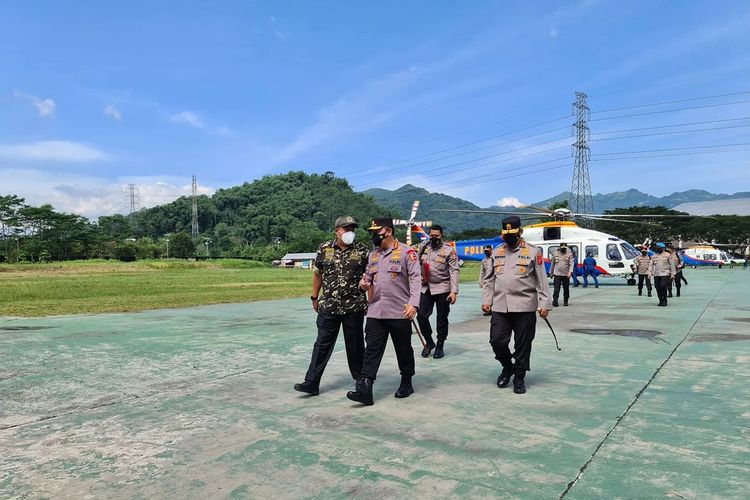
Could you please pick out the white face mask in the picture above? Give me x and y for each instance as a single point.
(348, 237)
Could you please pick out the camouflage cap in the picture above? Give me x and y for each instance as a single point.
(345, 220)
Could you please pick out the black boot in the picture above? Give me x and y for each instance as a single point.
(678, 292)
(518, 385)
(429, 347)
(362, 392)
(649, 293)
(438, 350)
(565, 302)
(640, 292)
(307, 387)
(554, 303)
(405, 389)
(504, 379)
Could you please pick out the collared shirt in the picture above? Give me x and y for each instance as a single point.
(562, 263)
(439, 269)
(340, 271)
(485, 271)
(396, 281)
(662, 265)
(642, 264)
(518, 281)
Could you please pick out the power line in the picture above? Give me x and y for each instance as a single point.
(676, 149)
(694, 153)
(381, 170)
(673, 125)
(501, 175)
(670, 110)
(689, 99)
(465, 162)
(670, 133)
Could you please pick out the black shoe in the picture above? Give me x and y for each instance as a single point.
(597, 286)
(429, 347)
(518, 386)
(438, 350)
(678, 293)
(555, 304)
(565, 303)
(649, 294)
(405, 389)
(640, 292)
(504, 379)
(574, 285)
(663, 304)
(307, 387)
(669, 295)
(362, 392)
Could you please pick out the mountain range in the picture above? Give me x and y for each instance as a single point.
(400, 201)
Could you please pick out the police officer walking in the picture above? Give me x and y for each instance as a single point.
(677, 262)
(561, 271)
(439, 289)
(338, 300)
(393, 281)
(514, 291)
(642, 267)
(662, 270)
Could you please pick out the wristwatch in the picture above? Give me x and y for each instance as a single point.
(313, 298)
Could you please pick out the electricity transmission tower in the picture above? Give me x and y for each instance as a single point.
(135, 200)
(580, 189)
(195, 208)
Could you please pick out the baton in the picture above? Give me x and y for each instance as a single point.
(553, 333)
(419, 334)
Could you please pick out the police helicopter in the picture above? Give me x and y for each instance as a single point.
(614, 256)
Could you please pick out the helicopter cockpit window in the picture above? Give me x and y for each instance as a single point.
(629, 250)
(613, 253)
(551, 233)
(593, 250)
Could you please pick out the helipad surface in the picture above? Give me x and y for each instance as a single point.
(197, 403)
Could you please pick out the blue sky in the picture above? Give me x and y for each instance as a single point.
(96, 95)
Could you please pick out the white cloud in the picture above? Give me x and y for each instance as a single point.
(45, 107)
(187, 118)
(58, 151)
(509, 202)
(92, 196)
(113, 112)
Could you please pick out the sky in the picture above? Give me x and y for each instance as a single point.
(472, 99)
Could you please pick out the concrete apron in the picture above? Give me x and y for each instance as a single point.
(199, 403)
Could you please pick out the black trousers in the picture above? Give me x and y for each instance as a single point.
(523, 326)
(328, 332)
(376, 336)
(565, 282)
(680, 277)
(426, 303)
(662, 285)
(641, 279)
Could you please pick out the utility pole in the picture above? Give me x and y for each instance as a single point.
(195, 208)
(581, 200)
(134, 202)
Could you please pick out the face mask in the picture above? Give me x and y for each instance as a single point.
(644, 252)
(348, 237)
(435, 241)
(488, 252)
(377, 239)
(563, 250)
(659, 250)
(511, 239)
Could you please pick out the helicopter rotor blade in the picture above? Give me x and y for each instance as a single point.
(491, 212)
(414, 209)
(583, 216)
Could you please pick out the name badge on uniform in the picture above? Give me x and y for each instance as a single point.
(394, 267)
(440, 259)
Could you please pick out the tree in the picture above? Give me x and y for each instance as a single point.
(182, 246)
(126, 252)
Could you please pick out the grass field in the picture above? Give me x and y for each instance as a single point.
(29, 290)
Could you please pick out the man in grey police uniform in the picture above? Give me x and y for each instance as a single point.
(561, 271)
(439, 289)
(514, 292)
(662, 270)
(642, 267)
(336, 297)
(486, 269)
(393, 282)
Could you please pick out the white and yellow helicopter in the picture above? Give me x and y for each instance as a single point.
(614, 256)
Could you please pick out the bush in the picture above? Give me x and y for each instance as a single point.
(126, 252)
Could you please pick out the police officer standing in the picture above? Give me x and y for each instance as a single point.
(561, 271)
(677, 262)
(515, 290)
(439, 289)
(662, 270)
(642, 267)
(338, 300)
(393, 282)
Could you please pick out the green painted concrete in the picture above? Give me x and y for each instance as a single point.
(198, 403)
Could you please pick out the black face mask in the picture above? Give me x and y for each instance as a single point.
(511, 239)
(377, 239)
(435, 241)
(659, 250)
(488, 252)
(563, 250)
(644, 252)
